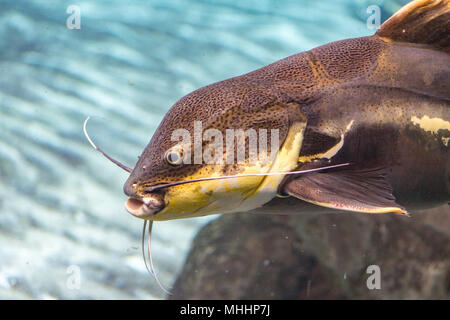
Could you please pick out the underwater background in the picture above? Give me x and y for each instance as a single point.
(61, 202)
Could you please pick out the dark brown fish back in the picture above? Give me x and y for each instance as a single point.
(347, 59)
(302, 76)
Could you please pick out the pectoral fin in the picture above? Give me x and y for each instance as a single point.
(360, 190)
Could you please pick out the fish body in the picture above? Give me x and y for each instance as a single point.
(380, 103)
(395, 113)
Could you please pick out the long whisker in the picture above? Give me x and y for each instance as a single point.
(143, 246)
(161, 186)
(124, 167)
(152, 268)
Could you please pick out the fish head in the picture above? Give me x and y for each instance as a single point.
(193, 141)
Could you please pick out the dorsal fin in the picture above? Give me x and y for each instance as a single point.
(420, 21)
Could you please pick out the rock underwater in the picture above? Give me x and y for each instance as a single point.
(250, 256)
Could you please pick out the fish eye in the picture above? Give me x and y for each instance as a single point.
(174, 157)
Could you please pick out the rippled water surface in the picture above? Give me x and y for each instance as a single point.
(61, 203)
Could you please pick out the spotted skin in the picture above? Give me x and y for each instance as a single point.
(378, 83)
(239, 102)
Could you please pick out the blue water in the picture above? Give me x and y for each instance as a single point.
(61, 203)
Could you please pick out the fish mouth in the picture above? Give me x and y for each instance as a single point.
(144, 208)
